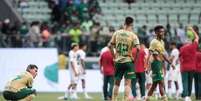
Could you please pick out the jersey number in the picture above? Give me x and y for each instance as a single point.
(122, 49)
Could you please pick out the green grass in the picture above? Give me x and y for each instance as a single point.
(54, 96)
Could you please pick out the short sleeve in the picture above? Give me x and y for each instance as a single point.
(71, 56)
(29, 82)
(82, 55)
(136, 40)
(152, 45)
(113, 39)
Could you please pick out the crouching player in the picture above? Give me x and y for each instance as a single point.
(19, 88)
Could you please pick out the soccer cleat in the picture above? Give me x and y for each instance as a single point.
(74, 96)
(86, 96)
(164, 98)
(187, 99)
(34, 92)
(62, 98)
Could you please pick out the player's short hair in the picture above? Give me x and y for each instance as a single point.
(158, 27)
(73, 45)
(173, 43)
(31, 66)
(81, 45)
(128, 20)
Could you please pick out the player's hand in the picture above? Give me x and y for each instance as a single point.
(34, 92)
(84, 72)
(173, 66)
(76, 74)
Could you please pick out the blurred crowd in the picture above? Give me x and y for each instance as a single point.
(75, 21)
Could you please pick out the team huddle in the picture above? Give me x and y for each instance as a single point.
(143, 69)
(148, 66)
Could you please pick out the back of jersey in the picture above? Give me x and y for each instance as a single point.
(124, 42)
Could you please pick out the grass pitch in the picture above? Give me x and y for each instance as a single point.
(96, 97)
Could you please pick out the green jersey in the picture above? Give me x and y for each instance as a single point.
(124, 41)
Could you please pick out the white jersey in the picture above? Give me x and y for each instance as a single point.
(73, 59)
(81, 55)
(175, 54)
(173, 75)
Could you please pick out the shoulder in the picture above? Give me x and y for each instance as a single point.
(104, 50)
(28, 75)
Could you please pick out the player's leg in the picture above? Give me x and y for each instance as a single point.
(105, 87)
(199, 86)
(151, 90)
(24, 93)
(74, 91)
(142, 84)
(28, 98)
(184, 76)
(83, 80)
(119, 72)
(111, 84)
(177, 88)
(169, 88)
(162, 90)
(83, 84)
(116, 90)
(129, 75)
(196, 85)
(133, 86)
(190, 82)
(127, 89)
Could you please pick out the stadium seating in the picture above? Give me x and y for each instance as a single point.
(151, 12)
(35, 11)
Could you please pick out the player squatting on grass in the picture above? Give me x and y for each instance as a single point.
(20, 87)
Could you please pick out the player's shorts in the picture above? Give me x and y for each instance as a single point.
(74, 79)
(157, 74)
(82, 76)
(23, 93)
(124, 69)
(157, 77)
(173, 75)
(149, 78)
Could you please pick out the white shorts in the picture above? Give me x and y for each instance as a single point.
(74, 79)
(173, 75)
(149, 78)
(82, 76)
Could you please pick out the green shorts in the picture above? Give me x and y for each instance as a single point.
(157, 73)
(157, 77)
(9, 95)
(124, 69)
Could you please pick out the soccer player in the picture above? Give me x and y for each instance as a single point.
(20, 87)
(156, 57)
(121, 45)
(140, 72)
(173, 73)
(107, 69)
(81, 55)
(74, 72)
(198, 76)
(187, 59)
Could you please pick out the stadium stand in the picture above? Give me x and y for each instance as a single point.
(32, 10)
(151, 12)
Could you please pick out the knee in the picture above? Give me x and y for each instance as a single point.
(117, 83)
